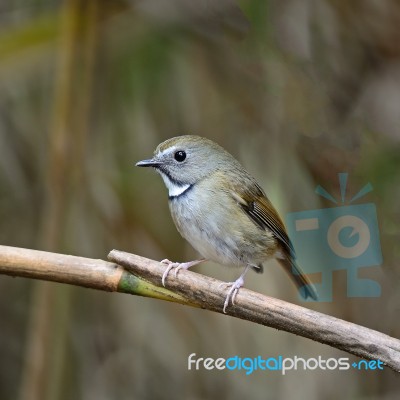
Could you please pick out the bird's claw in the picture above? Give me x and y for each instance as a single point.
(233, 291)
(170, 265)
(177, 266)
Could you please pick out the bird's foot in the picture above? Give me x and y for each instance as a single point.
(233, 291)
(234, 288)
(177, 266)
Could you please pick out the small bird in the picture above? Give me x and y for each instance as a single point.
(220, 209)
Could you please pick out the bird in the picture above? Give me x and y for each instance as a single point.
(221, 210)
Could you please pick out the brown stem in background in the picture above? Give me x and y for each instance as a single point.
(46, 334)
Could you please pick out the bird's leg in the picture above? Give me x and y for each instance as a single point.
(177, 267)
(234, 288)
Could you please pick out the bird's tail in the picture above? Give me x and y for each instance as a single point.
(307, 289)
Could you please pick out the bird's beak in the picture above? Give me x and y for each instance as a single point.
(148, 163)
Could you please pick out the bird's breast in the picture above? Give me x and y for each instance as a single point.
(213, 223)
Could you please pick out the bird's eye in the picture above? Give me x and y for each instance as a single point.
(180, 156)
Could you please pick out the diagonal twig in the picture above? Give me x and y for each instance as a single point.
(137, 275)
(205, 292)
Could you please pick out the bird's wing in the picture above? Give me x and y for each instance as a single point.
(257, 206)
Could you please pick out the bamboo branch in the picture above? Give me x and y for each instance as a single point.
(78, 271)
(198, 290)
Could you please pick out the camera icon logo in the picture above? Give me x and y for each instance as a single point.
(345, 237)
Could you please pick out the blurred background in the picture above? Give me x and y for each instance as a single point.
(297, 90)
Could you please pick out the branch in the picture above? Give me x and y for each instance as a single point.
(198, 290)
(79, 271)
(205, 292)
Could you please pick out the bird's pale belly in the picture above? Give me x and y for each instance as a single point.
(206, 230)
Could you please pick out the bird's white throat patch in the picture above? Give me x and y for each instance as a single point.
(174, 189)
